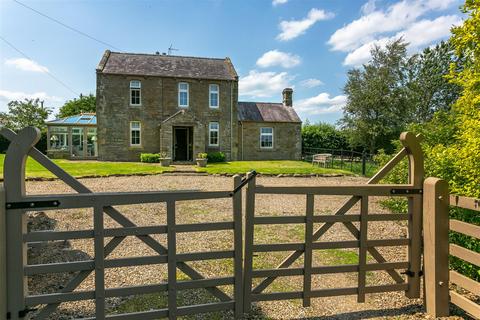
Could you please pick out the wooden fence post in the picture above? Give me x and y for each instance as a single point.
(436, 249)
(3, 253)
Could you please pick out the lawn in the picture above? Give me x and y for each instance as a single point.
(269, 167)
(90, 168)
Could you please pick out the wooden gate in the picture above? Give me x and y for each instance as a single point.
(18, 203)
(412, 268)
(20, 303)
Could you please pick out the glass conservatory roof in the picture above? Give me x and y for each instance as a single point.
(84, 118)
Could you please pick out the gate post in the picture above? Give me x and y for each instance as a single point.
(415, 178)
(249, 236)
(238, 247)
(3, 254)
(436, 247)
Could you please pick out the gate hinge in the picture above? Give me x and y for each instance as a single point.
(32, 204)
(411, 273)
(22, 313)
(406, 191)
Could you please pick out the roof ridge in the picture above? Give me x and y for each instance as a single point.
(167, 55)
(260, 102)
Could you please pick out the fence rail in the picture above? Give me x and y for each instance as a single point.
(437, 250)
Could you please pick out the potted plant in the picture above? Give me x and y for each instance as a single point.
(165, 160)
(202, 160)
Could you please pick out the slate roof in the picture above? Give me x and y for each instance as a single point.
(266, 112)
(166, 66)
(80, 119)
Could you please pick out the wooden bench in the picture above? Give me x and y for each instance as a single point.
(321, 158)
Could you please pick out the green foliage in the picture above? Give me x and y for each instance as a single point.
(150, 157)
(202, 155)
(376, 105)
(84, 104)
(21, 114)
(323, 135)
(393, 91)
(216, 157)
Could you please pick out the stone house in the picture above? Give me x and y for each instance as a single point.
(149, 103)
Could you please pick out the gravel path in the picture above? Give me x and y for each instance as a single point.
(377, 306)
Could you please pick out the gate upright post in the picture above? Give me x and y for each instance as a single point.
(238, 248)
(249, 235)
(3, 254)
(415, 208)
(436, 247)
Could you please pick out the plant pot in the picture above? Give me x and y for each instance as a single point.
(202, 163)
(165, 162)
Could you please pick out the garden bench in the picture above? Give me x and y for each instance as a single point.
(321, 158)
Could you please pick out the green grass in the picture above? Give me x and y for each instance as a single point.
(79, 168)
(269, 167)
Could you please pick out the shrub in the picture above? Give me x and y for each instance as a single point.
(216, 157)
(150, 157)
(202, 155)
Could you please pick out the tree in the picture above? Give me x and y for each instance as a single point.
(21, 114)
(376, 101)
(76, 106)
(323, 135)
(428, 89)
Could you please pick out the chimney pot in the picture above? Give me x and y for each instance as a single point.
(287, 97)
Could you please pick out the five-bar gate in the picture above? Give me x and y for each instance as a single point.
(20, 302)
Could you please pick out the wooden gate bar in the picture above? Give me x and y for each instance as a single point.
(307, 258)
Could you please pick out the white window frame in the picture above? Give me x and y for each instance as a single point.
(139, 129)
(210, 130)
(266, 134)
(217, 91)
(181, 91)
(139, 88)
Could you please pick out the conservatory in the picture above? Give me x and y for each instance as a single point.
(73, 137)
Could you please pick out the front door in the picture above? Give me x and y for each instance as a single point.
(183, 143)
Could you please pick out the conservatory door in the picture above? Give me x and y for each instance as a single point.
(77, 142)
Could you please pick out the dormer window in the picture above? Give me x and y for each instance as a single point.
(183, 98)
(214, 95)
(135, 93)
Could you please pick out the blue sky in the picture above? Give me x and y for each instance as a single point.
(305, 44)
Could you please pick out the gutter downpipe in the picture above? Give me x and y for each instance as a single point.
(231, 121)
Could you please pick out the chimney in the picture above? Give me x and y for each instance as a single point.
(287, 97)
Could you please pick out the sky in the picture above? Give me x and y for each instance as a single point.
(50, 49)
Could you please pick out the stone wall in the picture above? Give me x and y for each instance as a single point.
(287, 141)
(159, 98)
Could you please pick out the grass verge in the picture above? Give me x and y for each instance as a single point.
(79, 168)
(269, 167)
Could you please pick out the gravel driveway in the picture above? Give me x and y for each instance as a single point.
(377, 306)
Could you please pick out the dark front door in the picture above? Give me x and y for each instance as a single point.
(183, 143)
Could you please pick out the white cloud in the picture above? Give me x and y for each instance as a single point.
(368, 27)
(294, 28)
(264, 84)
(419, 35)
(18, 95)
(311, 83)
(278, 2)
(26, 65)
(369, 7)
(321, 104)
(278, 58)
